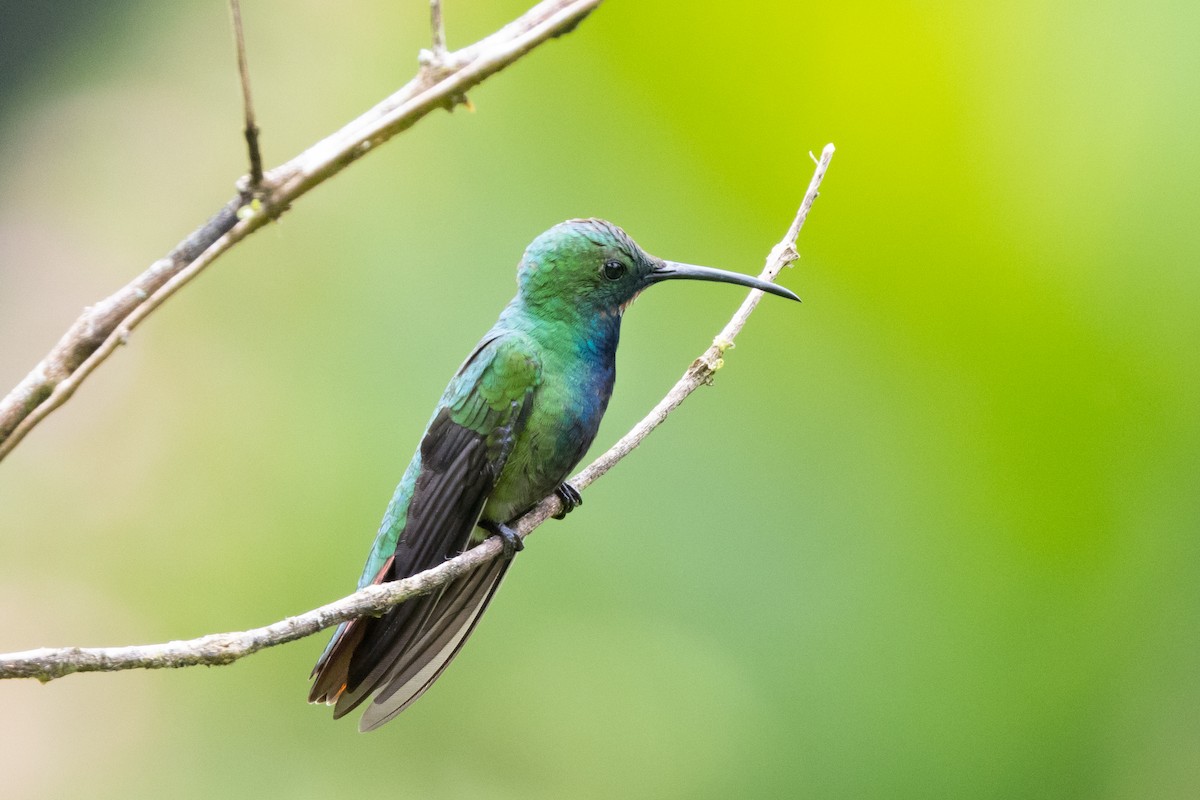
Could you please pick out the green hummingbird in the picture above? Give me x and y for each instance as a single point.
(515, 420)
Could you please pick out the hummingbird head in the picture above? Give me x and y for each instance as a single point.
(594, 267)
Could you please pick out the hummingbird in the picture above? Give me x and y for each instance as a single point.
(515, 420)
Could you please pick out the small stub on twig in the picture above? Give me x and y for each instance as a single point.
(785, 254)
(253, 208)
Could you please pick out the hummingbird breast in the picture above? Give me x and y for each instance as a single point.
(567, 407)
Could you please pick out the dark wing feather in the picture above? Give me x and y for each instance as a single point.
(451, 490)
(459, 609)
(461, 456)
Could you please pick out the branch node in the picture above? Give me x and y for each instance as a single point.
(250, 209)
(92, 338)
(429, 60)
(784, 254)
(705, 366)
(434, 68)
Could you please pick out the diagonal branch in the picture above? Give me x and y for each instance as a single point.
(47, 664)
(101, 328)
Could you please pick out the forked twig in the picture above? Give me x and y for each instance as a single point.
(106, 325)
(223, 648)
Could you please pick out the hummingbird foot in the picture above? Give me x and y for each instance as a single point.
(510, 540)
(570, 497)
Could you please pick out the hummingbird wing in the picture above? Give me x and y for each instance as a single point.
(433, 518)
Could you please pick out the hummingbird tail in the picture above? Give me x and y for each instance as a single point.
(332, 670)
(413, 656)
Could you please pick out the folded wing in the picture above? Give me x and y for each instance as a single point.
(397, 656)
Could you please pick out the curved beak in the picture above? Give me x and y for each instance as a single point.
(673, 270)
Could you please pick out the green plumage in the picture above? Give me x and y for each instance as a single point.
(516, 418)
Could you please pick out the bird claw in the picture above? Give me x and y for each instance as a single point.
(510, 540)
(570, 497)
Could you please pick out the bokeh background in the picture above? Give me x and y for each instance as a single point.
(931, 534)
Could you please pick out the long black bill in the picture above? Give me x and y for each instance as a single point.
(672, 270)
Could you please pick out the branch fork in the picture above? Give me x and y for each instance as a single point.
(262, 198)
(442, 81)
(46, 664)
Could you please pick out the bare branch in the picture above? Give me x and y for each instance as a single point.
(223, 648)
(104, 326)
(256, 167)
(46, 664)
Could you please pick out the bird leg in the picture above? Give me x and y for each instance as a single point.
(570, 497)
(511, 541)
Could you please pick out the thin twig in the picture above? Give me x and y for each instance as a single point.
(438, 36)
(256, 167)
(47, 664)
(104, 326)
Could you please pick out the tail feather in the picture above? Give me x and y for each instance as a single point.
(452, 622)
(399, 656)
(332, 671)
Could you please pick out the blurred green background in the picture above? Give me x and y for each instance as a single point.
(931, 534)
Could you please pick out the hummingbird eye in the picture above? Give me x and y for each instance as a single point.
(613, 269)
